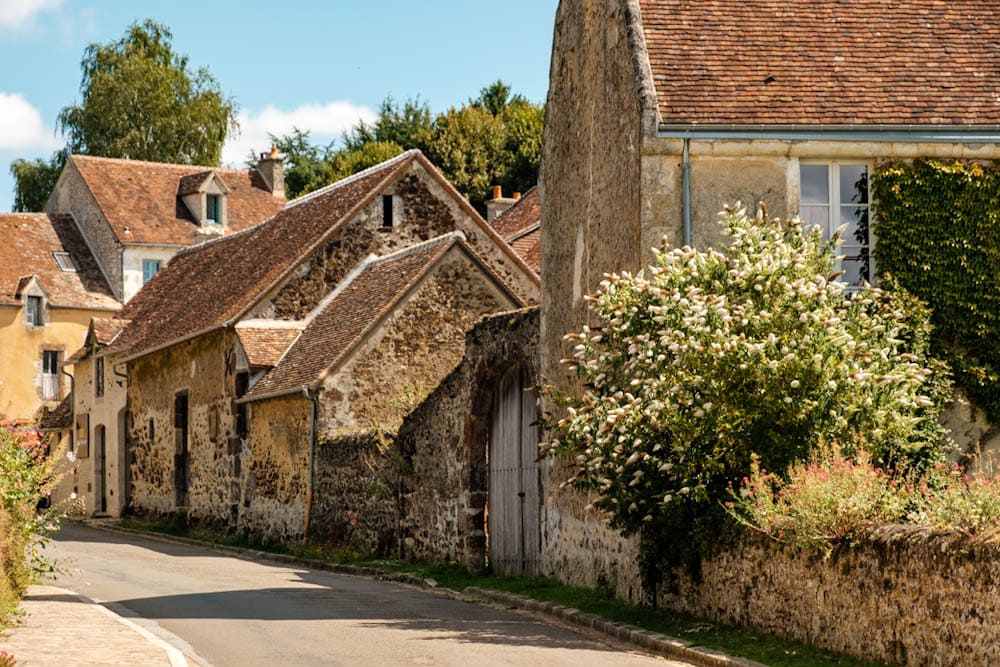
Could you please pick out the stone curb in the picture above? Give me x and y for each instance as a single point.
(630, 634)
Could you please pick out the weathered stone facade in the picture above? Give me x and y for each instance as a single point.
(71, 194)
(426, 211)
(595, 118)
(204, 369)
(907, 596)
(444, 444)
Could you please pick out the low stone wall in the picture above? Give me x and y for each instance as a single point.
(907, 596)
(356, 498)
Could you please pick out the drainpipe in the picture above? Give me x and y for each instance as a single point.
(314, 416)
(686, 190)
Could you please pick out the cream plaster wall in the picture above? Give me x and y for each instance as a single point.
(132, 257)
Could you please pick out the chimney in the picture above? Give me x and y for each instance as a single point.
(499, 204)
(272, 168)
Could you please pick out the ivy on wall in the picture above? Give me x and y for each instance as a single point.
(938, 231)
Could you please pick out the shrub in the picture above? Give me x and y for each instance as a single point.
(712, 356)
(834, 500)
(825, 502)
(26, 477)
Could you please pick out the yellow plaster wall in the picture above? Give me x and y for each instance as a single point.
(21, 354)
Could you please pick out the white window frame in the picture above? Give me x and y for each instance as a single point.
(34, 310)
(65, 262)
(834, 204)
(51, 385)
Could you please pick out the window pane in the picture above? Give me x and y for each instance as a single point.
(817, 215)
(855, 269)
(853, 184)
(815, 183)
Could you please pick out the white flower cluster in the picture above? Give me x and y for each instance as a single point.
(710, 355)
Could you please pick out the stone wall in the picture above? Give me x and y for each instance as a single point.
(205, 368)
(356, 499)
(72, 195)
(395, 369)
(427, 211)
(275, 469)
(597, 113)
(443, 444)
(905, 597)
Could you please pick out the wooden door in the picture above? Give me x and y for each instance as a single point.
(514, 500)
(100, 467)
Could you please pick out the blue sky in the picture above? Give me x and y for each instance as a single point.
(318, 65)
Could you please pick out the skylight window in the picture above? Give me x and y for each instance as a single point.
(65, 262)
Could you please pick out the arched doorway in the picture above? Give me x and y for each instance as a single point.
(513, 495)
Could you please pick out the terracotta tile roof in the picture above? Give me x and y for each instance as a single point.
(142, 204)
(525, 213)
(263, 344)
(192, 183)
(354, 309)
(29, 241)
(529, 246)
(810, 62)
(106, 328)
(59, 417)
(101, 332)
(221, 279)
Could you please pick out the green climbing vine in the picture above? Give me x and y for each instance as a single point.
(938, 230)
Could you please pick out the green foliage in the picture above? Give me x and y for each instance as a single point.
(34, 181)
(711, 357)
(938, 229)
(26, 477)
(142, 101)
(494, 139)
(835, 500)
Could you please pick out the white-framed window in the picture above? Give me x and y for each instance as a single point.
(835, 193)
(50, 375)
(65, 262)
(149, 269)
(33, 314)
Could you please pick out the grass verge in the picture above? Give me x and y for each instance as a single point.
(735, 641)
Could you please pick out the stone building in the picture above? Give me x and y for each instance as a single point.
(50, 288)
(660, 112)
(520, 226)
(135, 215)
(96, 425)
(221, 319)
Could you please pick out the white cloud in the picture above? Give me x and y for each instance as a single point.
(324, 122)
(21, 126)
(21, 13)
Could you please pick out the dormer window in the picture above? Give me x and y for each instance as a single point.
(33, 311)
(213, 208)
(204, 195)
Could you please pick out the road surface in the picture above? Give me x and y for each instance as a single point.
(220, 610)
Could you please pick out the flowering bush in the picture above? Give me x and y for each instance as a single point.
(827, 501)
(711, 356)
(26, 477)
(834, 500)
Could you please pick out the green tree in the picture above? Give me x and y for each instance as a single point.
(142, 101)
(493, 139)
(34, 181)
(305, 162)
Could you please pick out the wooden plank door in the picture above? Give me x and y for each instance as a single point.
(513, 508)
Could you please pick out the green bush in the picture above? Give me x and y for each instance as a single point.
(711, 357)
(835, 500)
(27, 475)
(938, 229)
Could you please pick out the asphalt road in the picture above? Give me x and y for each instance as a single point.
(221, 610)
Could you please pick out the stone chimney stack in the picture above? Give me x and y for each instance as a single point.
(499, 204)
(272, 168)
